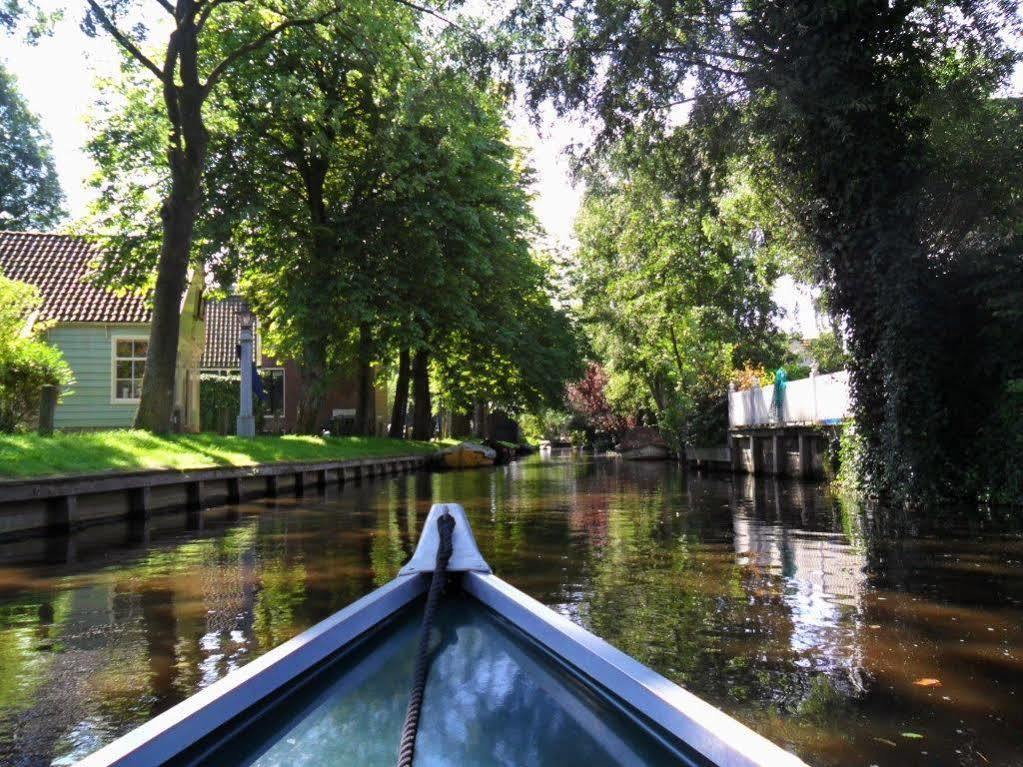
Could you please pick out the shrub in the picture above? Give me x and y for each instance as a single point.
(27, 363)
(219, 401)
(749, 376)
(588, 399)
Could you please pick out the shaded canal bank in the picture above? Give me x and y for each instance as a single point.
(60, 505)
(760, 595)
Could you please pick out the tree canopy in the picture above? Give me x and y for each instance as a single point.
(834, 108)
(361, 190)
(674, 287)
(30, 193)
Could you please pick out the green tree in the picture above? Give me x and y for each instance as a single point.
(833, 105)
(191, 67)
(14, 12)
(828, 352)
(27, 363)
(411, 235)
(30, 194)
(312, 115)
(363, 193)
(481, 301)
(675, 289)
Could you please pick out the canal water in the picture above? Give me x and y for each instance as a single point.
(810, 621)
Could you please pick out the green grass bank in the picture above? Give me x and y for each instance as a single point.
(24, 456)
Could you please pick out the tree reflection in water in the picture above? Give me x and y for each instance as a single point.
(808, 619)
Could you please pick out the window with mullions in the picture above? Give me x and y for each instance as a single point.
(129, 367)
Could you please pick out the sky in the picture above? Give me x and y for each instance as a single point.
(57, 77)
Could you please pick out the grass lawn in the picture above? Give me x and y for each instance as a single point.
(29, 455)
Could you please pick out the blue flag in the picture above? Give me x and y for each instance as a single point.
(257, 385)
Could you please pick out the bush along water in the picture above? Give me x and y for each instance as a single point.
(27, 362)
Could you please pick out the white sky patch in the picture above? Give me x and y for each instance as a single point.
(57, 78)
(557, 198)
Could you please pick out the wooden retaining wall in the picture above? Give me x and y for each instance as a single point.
(60, 504)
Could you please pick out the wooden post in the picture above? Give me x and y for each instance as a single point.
(299, 483)
(196, 495)
(234, 494)
(754, 458)
(140, 502)
(777, 465)
(805, 457)
(47, 409)
(271, 485)
(194, 517)
(139, 530)
(61, 548)
(321, 480)
(62, 514)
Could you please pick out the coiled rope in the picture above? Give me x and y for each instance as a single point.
(407, 749)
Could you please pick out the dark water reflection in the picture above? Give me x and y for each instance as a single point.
(809, 622)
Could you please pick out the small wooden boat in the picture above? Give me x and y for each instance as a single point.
(646, 453)
(467, 455)
(643, 443)
(507, 682)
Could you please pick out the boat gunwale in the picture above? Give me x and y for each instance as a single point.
(712, 733)
(174, 731)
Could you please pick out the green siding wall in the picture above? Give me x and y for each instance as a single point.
(87, 349)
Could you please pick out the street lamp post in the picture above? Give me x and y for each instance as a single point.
(246, 421)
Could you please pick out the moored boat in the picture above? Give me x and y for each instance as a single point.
(467, 455)
(507, 681)
(643, 443)
(646, 453)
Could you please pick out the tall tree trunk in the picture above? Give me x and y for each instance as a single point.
(310, 402)
(479, 419)
(422, 413)
(186, 155)
(314, 380)
(400, 409)
(157, 401)
(365, 414)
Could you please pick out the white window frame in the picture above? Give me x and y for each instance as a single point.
(114, 338)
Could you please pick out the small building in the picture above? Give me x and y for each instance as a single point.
(103, 334)
(281, 379)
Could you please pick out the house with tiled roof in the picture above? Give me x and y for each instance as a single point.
(104, 334)
(282, 385)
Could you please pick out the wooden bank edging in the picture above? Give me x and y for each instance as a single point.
(52, 504)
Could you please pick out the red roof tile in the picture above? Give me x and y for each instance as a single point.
(222, 329)
(58, 264)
